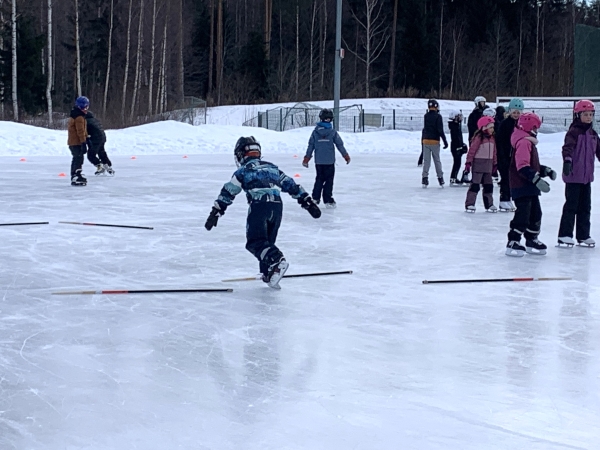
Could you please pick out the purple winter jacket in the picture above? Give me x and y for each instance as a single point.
(581, 145)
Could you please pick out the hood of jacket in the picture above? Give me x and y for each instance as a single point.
(519, 134)
(76, 112)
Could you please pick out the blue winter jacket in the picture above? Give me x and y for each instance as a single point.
(321, 142)
(262, 181)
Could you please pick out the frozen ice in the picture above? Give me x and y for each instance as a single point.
(372, 360)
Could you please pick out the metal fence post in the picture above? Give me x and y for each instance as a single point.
(267, 119)
(394, 118)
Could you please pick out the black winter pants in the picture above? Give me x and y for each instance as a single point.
(456, 165)
(503, 169)
(262, 225)
(527, 220)
(77, 161)
(97, 154)
(324, 182)
(578, 203)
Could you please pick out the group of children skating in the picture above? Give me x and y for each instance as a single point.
(86, 135)
(509, 146)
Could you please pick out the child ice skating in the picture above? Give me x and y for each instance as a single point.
(433, 131)
(526, 185)
(263, 182)
(322, 142)
(77, 139)
(457, 146)
(96, 151)
(503, 135)
(580, 148)
(481, 160)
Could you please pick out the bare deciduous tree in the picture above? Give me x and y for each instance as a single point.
(393, 50)
(77, 50)
(136, 81)
(110, 34)
(13, 24)
(125, 77)
(50, 65)
(152, 57)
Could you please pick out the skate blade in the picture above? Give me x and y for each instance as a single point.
(514, 253)
(470, 211)
(586, 245)
(506, 210)
(563, 245)
(490, 211)
(532, 251)
(277, 276)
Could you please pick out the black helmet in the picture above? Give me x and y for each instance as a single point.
(433, 103)
(246, 147)
(326, 114)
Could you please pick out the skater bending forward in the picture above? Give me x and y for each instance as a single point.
(526, 185)
(263, 182)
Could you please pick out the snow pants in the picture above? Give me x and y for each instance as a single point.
(457, 162)
(97, 154)
(77, 161)
(262, 225)
(503, 169)
(527, 220)
(432, 152)
(324, 183)
(485, 179)
(578, 204)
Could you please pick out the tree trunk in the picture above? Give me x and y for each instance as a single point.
(180, 65)
(110, 32)
(13, 23)
(162, 83)
(311, 59)
(49, 70)
(1, 62)
(267, 28)
(323, 45)
(440, 55)
(126, 76)
(136, 81)
(220, 50)
(77, 50)
(520, 53)
(152, 58)
(537, 42)
(211, 48)
(297, 46)
(393, 50)
(497, 55)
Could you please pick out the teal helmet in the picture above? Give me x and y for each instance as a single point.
(516, 103)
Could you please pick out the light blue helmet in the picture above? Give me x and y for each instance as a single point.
(516, 103)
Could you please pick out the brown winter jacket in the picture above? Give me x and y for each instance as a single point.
(77, 127)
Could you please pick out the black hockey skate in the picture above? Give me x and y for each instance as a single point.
(276, 273)
(425, 182)
(514, 248)
(78, 179)
(535, 247)
(441, 181)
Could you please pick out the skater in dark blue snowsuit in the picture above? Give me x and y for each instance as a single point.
(263, 182)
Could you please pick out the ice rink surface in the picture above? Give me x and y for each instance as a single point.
(373, 360)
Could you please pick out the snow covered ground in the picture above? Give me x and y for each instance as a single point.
(372, 360)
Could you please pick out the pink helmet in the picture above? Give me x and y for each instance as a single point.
(484, 122)
(583, 105)
(529, 122)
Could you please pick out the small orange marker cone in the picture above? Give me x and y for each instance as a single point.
(185, 156)
(295, 156)
(297, 175)
(22, 159)
(62, 174)
(133, 157)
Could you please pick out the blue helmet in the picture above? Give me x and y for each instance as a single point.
(516, 104)
(82, 102)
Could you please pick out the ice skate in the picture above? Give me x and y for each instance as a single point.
(492, 209)
(514, 248)
(441, 181)
(470, 209)
(100, 170)
(425, 182)
(109, 170)
(78, 179)
(535, 247)
(455, 183)
(331, 205)
(589, 242)
(276, 272)
(566, 242)
(507, 206)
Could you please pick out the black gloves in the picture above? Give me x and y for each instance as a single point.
(445, 145)
(548, 172)
(213, 218)
(540, 183)
(308, 203)
(567, 168)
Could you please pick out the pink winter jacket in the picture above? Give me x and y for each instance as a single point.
(482, 154)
